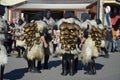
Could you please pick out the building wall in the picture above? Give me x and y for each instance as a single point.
(77, 12)
(93, 7)
(16, 12)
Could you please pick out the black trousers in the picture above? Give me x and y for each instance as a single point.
(106, 52)
(1, 71)
(46, 57)
(19, 48)
(68, 64)
(54, 47)
(8, 46)
(91, 67)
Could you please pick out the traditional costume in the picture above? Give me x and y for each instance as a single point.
(94, 36)
(3, 52)
(68, 29)
(32, 35)
(19, 37)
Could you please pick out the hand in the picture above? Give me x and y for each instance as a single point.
(80, 46)
(45, 45)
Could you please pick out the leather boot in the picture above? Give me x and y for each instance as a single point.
(72, 66)
(64, 68)
(106, 53)
(2, 72)
(93, 70)
(34, 70)
(19, 52)
(76, 64)
(30, 66)
(39, 67)
(88, 68)
(22, 51)
(29, 62)
(46, 61)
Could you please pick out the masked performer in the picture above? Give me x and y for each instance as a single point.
(3, 52)
(91, 44)
(34, 38)
(69, 29)
(19, 32)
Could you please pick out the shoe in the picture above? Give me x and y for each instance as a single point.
(29, 70)
(9, 54)
(90, 73)
(87, 72)
(64, 68)
(64, 73)
(71, 74)
(35, 71)
(18, 57)
(106, 56)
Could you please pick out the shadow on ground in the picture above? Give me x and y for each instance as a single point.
(54, 63)
(98, 66)
(15, 74)
(80, 66)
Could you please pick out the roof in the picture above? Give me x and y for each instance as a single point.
(60, 1)
(11, 2)
(53, 6)
(94, 3)
(112, 2)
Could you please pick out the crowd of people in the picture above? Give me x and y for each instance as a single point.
(63, 38)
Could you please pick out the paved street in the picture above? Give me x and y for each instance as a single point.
(107, 69)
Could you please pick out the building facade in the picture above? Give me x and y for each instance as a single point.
(28, 8)
(10, 5)
(98, 7)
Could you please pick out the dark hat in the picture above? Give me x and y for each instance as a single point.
(69, 14)
(46, 12)
(39, 16)
(2, 10)
(85, 16)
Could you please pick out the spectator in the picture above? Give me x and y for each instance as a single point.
(118, 39)
(13, 26)
(8, 40)
(108, 42)
(113, 39)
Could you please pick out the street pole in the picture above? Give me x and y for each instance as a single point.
(98, 9)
